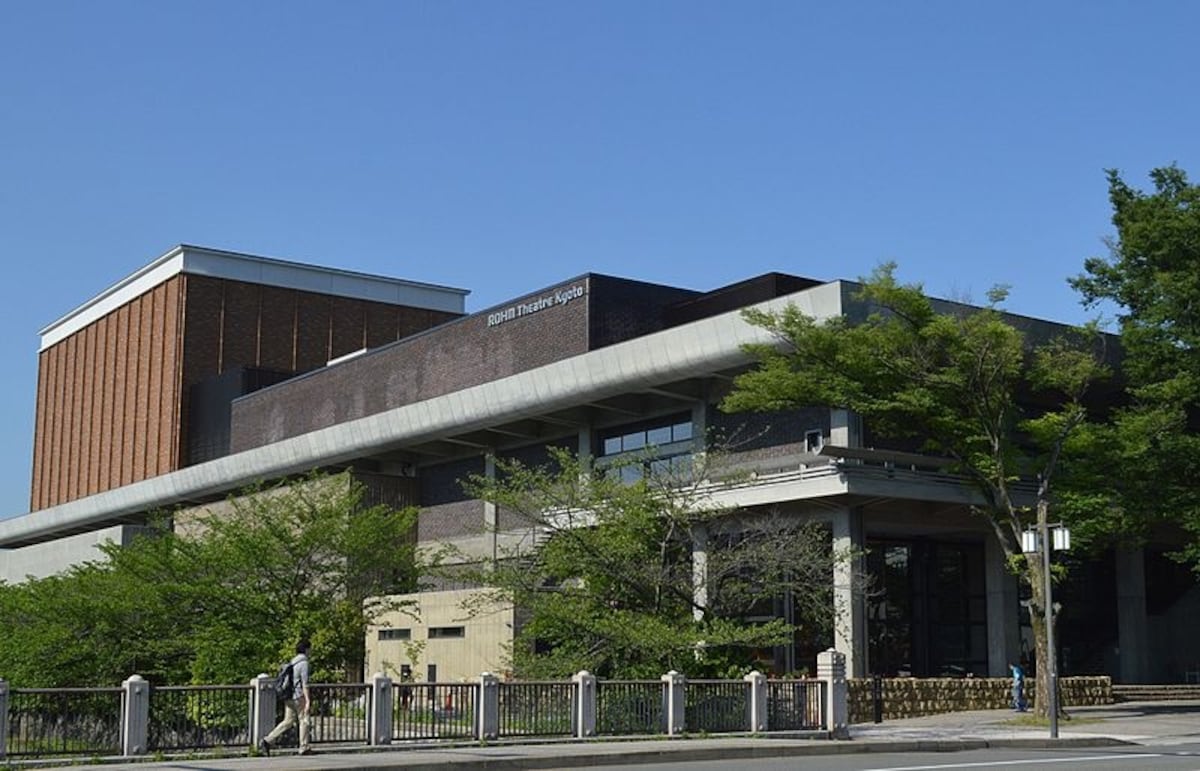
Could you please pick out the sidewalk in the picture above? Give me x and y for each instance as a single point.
(1137, 723)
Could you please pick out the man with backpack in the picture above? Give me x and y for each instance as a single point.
(292, 686)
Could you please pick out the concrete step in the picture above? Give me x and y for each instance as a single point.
(1165, 692)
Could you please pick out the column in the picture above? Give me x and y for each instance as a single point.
(135, 720)
(489, 508)
(583, 723)
(1131, 615)
(831, 670)
(1003, 623)
(844, 429)
(262, 707)
(380, 723)
(850, 616)
(674, 700)
(489, 706)
(757, 708)
(3, 718)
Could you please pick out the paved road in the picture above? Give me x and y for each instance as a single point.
(1148, 735)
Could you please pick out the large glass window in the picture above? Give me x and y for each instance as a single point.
(656, 448)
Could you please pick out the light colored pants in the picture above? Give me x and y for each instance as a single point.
(290, 715)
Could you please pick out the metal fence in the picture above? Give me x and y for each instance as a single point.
(717, 706)
(193, 717)
(339, 714)
(434, 711)
(629, 707)
(534, 708)
(795, 705)
(64, 721)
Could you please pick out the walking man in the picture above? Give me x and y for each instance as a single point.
(296, 703)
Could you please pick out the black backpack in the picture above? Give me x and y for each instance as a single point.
(285, 684)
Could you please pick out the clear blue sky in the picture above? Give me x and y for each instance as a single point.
(504, 146)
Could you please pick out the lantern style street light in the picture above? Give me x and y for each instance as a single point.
(1042, 540)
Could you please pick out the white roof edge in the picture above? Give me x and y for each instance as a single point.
(692, 349)
(199, 260)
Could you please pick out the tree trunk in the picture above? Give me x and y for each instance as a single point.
(1041, 640)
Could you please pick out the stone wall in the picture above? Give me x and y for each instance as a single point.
(913, 697)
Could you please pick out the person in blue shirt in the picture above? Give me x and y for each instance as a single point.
(1018, 688)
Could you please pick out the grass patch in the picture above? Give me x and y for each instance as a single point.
(1032, 721)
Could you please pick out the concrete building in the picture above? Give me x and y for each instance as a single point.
(585, 364)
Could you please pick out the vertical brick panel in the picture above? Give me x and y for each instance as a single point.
(58, 405)
(108, 400)
(41, 431)
(348, 320)
(382, 327)
(89, 438)
(169, 450)
(277, 330)
(142, 393)
(117, 461)
(153, 407)
(73, 454)
(132, 429)
(312, 331)
(202, 298)
(239, 326)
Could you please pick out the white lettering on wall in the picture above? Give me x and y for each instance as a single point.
(553, 299)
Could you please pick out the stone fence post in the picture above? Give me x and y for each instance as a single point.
(489, 706)
(583, 723)
(831, 669)
(756, 709)
(674, 699)
(3, 718)
(381, 709)
(262, 707)
(135, 718)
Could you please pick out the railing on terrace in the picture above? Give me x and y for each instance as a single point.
(339, 713)
(64, 721)
(717, 706)
(533, 708)
(434, 711)
(795, 705)
(629, 707)
(196, 717)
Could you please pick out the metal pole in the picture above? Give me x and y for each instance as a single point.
(1051, 657)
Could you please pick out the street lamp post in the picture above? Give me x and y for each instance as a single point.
(1041, 541)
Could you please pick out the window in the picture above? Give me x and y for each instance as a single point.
(658, 448)
(444, 632)
(659, 434)
(813, 441)
(395, 634)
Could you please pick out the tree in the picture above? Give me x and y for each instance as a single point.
(1152, 274)
(963, 383)
(220, 597)
(610, 584)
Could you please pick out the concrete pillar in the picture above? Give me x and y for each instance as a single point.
(831, 670)
(757, 706)
(135, 720)
(1131, 615)
(699, 570)
(262, 707)
(674, 699)
(380, 723)
(850, 613)
(490, 522)
(583, 719)
(1003, 623)
(3, 718)
(845, 429)
(489, 706)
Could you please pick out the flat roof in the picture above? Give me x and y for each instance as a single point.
(217, 263)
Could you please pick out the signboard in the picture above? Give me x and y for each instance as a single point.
(551, 299)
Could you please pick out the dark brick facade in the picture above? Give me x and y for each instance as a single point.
(446, 510)
(112, 398)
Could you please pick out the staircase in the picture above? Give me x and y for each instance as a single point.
(1156, 692)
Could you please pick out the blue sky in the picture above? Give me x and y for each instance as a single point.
(505, 146)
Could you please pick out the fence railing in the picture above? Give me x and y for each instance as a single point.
(198, 717)
(629, 708)
(63, 722)
(137, 718)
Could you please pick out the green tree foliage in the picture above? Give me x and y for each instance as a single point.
(608, 584)
(219, 598)
(1152, 274)
(958, 382)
